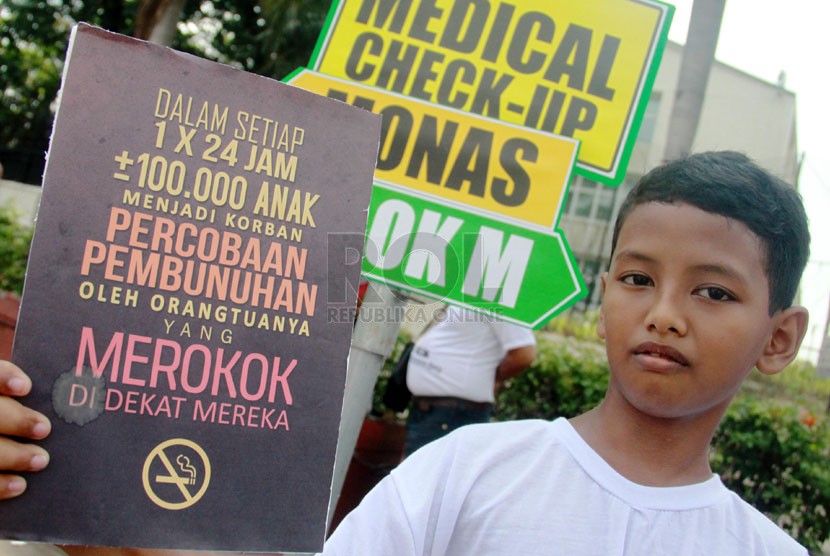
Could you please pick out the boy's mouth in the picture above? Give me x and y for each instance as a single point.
(660, 351)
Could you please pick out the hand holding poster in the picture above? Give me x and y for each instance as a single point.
(174, 318)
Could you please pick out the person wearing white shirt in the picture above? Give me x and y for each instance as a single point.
(455, 369)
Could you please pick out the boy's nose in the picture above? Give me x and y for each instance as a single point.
(666, 316)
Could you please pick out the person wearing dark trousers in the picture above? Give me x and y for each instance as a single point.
(457, 367)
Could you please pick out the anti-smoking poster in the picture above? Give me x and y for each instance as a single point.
(176, 318)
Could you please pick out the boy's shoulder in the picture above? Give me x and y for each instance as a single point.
(507, 434)
(749, 522)
(502, 442)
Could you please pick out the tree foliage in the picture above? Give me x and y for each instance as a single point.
(15, 240)
(267, 37)
(271, 37)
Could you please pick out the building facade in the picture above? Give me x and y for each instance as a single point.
(740, 112)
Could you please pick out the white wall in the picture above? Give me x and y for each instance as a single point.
(740, 112)
(23, 198)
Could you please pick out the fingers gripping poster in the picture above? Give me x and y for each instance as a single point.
(175, 318)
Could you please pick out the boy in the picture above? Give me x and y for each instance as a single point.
(707, 255)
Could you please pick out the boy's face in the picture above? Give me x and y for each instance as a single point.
(685, 310)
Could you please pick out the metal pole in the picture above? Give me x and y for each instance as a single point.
(374, 338)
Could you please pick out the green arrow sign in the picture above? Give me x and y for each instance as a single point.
(519, 274)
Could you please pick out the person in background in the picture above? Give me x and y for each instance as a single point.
(456, 369)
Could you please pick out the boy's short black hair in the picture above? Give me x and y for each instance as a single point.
(731, 185)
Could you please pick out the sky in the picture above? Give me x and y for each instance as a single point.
(763, 38)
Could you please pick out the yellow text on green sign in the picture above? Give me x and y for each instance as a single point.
(581, 69)
(504, 169)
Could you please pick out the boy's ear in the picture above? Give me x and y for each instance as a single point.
(789, 328)
(601, 321)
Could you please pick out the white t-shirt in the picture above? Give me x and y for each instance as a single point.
(535, 487)
(459, 355)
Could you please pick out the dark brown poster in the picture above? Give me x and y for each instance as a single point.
(175, 318)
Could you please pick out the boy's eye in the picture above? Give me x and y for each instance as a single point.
(636, 280)
(716, 294)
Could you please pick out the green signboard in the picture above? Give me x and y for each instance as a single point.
(518, 274)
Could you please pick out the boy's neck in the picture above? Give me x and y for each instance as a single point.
(649, 450)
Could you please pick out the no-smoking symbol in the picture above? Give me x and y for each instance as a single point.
(176, 474)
